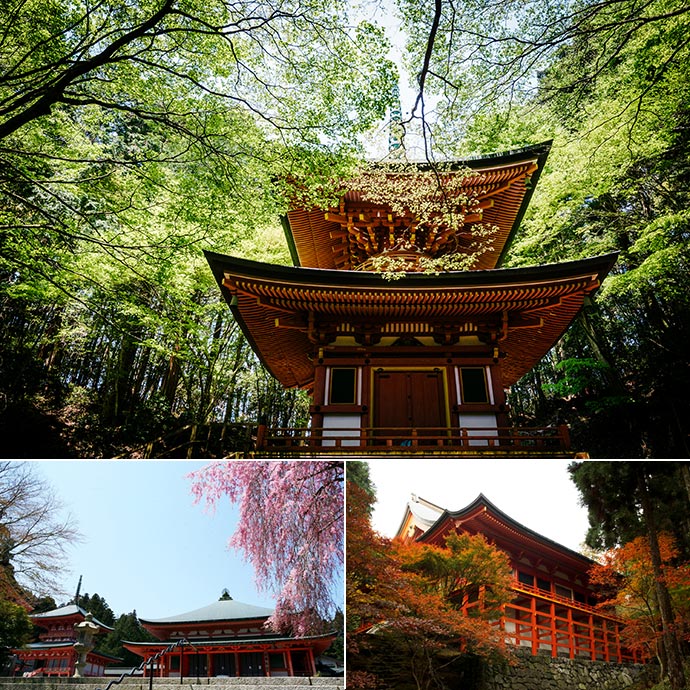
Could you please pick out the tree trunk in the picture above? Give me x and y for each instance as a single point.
(669, 638)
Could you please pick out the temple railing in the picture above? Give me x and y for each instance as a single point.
(548, 623)
(547, 595)
(562, 626)
(401, 441)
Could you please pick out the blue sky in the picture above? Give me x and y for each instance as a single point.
(147, 546)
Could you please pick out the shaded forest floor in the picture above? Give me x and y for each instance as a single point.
(32, 431)
(53, 423)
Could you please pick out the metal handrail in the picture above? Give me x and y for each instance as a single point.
(150, 660)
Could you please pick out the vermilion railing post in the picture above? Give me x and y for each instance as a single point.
(564, 434)
(260, 436)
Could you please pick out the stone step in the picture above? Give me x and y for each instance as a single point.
(245, 683)
(138, 683)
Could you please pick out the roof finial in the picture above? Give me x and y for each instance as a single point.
(76, 596)
(395, 128)
(225, 596)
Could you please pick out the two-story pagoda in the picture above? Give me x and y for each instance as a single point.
(419, 362)
(56, 652)
(554, 609)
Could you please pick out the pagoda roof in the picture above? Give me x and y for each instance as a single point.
(48, 645)
(219, 611)
(530, 306)
(483, 517)
(70, 611)
(342, 238)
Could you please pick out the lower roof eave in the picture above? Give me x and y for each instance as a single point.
(260, 294)
(246, 642)
(222, 263)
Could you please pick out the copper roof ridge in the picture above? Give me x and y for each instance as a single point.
(487, 506)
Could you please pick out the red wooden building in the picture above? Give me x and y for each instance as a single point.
(421, 361)
(228, 638)
(55, 653)
(554, 606)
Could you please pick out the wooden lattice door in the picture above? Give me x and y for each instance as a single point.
(409, 399)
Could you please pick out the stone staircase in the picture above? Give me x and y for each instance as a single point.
(245, 683)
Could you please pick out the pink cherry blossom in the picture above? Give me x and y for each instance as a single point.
(290, 528)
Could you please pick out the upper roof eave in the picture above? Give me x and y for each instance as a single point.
(538, 152)
(65, 611)
(488, 160)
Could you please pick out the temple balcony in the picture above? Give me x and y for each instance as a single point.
(545, 622)
(426, 441)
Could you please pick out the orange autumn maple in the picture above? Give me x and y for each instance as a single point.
(415, 608)
(626, 576)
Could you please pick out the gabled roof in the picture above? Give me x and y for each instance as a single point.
(483, 517)
(341, 238)
(420, 515)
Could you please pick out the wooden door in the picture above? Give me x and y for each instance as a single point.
(409, 399)
(252, 664)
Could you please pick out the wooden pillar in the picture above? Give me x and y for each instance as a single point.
(564, 434)
(554, 632)
(533, 619)
(209, 666)
(592, 645)
(571, 635)
(318, 396)
(237, 663)
(312, 664)
(604, 628)
(260, 436)
(288, 658)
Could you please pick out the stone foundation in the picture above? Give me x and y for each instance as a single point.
(543, 672)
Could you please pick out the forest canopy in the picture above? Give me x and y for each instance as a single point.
(132, 136)
(607, 82)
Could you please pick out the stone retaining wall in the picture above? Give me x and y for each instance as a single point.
(543, 672)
